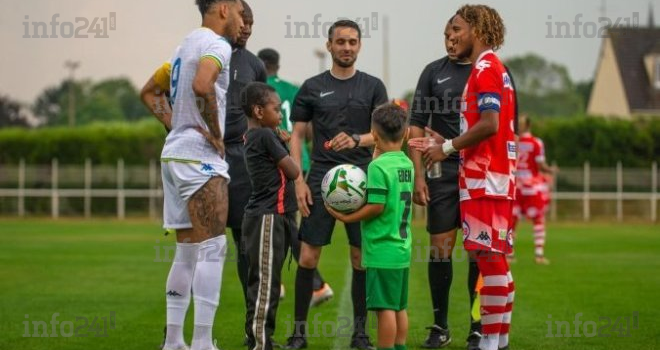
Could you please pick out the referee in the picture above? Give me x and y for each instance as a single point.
(338, 103)
(437, 104)
(245, 68)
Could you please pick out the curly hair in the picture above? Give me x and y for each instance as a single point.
(487, 23)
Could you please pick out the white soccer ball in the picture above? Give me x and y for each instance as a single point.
(344, 188)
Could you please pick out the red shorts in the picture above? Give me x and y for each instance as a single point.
(529, 203)
(487, 224)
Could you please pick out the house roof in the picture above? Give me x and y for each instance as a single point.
(630, 46)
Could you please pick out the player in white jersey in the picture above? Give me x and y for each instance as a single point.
(194, 170)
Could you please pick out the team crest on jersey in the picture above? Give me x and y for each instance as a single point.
(466, 229)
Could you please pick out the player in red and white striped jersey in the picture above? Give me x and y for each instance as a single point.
(531, 186)
(487, 164)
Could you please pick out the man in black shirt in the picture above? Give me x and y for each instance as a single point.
(270, 214)
(245, 68)
(338, 103)
(437, 104)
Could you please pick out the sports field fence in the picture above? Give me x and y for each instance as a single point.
(85, 190)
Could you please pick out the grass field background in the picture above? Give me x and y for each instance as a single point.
(94, 268)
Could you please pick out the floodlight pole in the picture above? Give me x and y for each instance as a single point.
(72, 66)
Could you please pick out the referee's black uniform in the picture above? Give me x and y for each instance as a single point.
(245, 68)
(437, 103)
(333, 106)
(268, 224)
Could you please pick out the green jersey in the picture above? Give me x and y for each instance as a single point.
(288, 92)
(386, 239)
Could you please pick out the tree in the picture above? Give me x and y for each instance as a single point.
(12, 113)
(544, 88)
(109, 100)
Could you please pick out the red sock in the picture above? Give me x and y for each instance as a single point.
(494, 294)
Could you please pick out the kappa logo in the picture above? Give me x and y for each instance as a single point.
(484, 238)
(207, 167)
(173, 293)
(324, 94)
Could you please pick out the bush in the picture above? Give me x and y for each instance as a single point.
(102, 143)
(602, 142)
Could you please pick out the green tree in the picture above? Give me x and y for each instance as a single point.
(12, 113)
(544, 88)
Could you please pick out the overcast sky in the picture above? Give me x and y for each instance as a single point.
(147, 31)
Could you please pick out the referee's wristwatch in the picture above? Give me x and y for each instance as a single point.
(356, 138)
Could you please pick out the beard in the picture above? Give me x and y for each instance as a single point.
(344, 64)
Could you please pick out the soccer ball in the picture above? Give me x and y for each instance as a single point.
(344, 188)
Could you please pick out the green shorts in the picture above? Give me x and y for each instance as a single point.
(387, 289)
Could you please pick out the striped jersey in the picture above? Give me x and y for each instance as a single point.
(487, 168)
(530, 155)
(184, 143)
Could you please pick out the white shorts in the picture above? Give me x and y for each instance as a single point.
(180, 181)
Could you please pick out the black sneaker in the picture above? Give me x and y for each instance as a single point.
(296, 342)
(438, 338)
(473, 340)
(361, 342)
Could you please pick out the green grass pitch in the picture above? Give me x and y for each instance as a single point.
(86, 271)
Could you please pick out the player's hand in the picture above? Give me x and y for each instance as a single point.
(432, 155)
(337, 215)
(215, 142)
(341, 142)
(421, 194)
(303, 196)
(283, 135)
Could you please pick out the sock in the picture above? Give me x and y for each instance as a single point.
(506, 320)
(318, 280)
(400, 347)
(539, 235)
(359, 296)
(206, 289)
(177, 289)
(440, 273)
(241, 259)
(473, 277)
(304, 282)
(494, 296)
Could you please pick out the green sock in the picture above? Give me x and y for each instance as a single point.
(400, 347)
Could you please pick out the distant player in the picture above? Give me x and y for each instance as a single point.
(487, 163)
(194, 171)
(287, 93)
(270, 215)
(531, 186)
(338, 103)
(436, 104)
(386, 234)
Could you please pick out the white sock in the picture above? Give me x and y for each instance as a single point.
(206, 289)
(503, 340)
(177, 289)
(489, 342)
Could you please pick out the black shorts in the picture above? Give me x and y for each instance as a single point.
(443, 211)
(316, 229)
(240, 187)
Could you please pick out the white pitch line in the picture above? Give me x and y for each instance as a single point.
(344, 306)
